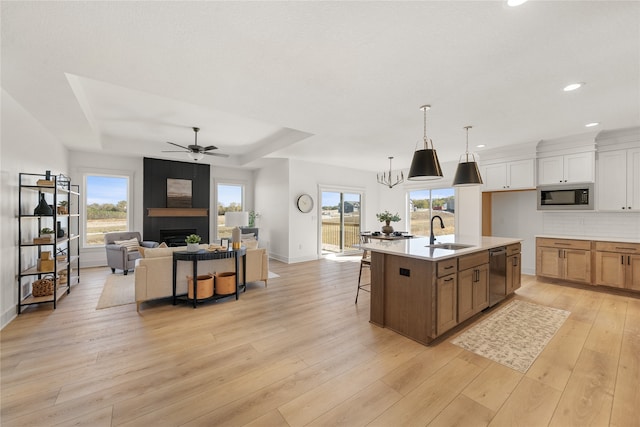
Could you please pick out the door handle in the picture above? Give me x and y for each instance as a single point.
(622, 259)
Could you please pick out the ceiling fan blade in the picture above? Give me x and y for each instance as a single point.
(215, 154)
(177, 145)
(176, 151)
(210, 147)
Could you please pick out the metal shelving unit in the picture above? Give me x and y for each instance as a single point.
(64, 249)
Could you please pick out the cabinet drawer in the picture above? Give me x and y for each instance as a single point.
(564, 243)
(513, 249)
(446, 266)
(472, 260)
(627, 248)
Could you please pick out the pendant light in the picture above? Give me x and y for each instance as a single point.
(425, 165)
(467, 173)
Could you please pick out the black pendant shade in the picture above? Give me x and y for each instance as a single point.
(467, 174)
(425, 165)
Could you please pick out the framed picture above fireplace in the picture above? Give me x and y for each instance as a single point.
(178, 193)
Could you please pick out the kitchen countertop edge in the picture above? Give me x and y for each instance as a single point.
(591, 238)
(416, 247)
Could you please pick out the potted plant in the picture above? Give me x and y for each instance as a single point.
(62, 207)
(193, 243)
(387, 217)
(47, 232)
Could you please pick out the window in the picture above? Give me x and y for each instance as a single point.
(106, 200)
(423, 204)
(230, 199)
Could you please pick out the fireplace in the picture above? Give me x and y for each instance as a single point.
(175, 237)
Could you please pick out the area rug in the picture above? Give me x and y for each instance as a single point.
(118, 290)
(273, 275)
(515, 335)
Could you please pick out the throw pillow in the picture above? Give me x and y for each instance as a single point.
(131, 244)
(248, 236)
(250, 244)
(163, 245)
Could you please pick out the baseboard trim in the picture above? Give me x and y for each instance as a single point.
(8, 316)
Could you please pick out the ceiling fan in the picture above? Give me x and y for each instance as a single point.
(195, 151)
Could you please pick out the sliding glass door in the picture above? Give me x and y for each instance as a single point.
(340, 221)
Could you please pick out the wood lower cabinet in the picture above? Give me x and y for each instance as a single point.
(473, 284)
(447, 307)
(514, 267)
(564, 259)
(618, 265)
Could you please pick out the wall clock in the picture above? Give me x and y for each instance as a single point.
(304, 203)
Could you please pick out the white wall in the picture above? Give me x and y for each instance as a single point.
(25, 146)
(271, 198)
(515, 214)
(302, 241)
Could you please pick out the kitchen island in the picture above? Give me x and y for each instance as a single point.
(422, 291)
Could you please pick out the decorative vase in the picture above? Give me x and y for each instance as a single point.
(43, 208)
(387, 229)
(59, 229)
(193, 247)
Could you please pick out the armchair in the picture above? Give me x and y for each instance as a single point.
(119, 256)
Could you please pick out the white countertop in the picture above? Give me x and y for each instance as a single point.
(595, 239)
(418, 247)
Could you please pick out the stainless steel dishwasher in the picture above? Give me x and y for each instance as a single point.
(497, 275)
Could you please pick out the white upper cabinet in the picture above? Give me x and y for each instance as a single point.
(514, 175)
(619, 180)
(577, 167)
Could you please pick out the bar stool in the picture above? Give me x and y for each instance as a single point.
(365, 261)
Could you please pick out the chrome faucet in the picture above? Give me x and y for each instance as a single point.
(432, 238)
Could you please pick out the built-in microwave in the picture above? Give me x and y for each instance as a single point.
(566, 197)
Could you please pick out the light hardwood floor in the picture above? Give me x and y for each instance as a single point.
(300, 352)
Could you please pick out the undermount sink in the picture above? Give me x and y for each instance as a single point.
(449, 246)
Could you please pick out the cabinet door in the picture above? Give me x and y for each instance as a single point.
(465, 294)
(610, 269)
(577, 265)
(633, 272)
(550, 170)
(548, 262)
(633, 179)
(447, 304)
(514, 271)
(579, 167)
(521, 174)
(612, 180)
(481, 288)
(495, 176)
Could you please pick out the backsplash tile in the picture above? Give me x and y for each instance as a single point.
(592, 224)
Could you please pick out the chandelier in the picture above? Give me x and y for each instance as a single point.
(385, 179)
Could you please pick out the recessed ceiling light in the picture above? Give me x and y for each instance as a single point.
(592, 124)
(514, 3)
(480, 146)
(573, 86)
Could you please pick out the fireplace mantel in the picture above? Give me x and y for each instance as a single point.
(177, 212)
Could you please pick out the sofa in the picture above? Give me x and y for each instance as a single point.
(154, 272)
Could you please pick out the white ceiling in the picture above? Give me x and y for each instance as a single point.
(328, 82)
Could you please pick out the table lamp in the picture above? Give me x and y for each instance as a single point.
(237, 220)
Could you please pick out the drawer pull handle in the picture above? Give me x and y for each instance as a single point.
(449, 279)
(447, 268)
